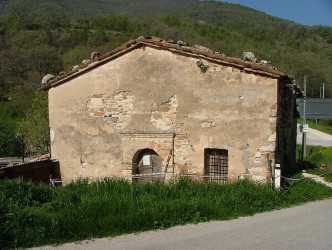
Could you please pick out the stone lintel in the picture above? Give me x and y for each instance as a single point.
(148, 134)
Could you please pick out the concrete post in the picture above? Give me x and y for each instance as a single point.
(277, 176)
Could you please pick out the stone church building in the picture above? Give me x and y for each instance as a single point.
(154, 109)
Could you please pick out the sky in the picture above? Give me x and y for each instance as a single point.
(307, 12)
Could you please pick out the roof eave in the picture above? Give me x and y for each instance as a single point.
(94, 64)
(248, 67)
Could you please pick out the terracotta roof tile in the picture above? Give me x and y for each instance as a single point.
(252, 67)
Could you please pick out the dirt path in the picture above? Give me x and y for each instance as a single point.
(318, 179)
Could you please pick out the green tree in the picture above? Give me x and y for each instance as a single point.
(3, 89)
(16, 64)
(34, 129)
(46, 60)
(21, 96)
(76, 55)
(120, 22)
(51, 15)
(9, 144)
(19, 14)
(98, 38)
(172, 20)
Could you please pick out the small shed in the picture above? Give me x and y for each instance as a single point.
(38, 170)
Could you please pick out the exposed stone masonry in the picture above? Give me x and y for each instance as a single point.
(182, 152)
(266, 152)
(115, 109)
(207, 124)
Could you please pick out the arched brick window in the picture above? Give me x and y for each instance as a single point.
(147, 166)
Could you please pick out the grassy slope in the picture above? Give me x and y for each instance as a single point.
(33, 214)
(320, 155)
(317, 156)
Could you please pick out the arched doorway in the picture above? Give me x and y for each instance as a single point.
(146, 166)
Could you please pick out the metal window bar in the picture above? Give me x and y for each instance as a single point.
(216, 164)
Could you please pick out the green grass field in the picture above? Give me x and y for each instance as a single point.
(317, 155)
(35, 214)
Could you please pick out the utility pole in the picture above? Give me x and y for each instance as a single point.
(323, 89)
(321, 94)
(304, 135)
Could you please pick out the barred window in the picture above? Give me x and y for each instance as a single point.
(216, 164)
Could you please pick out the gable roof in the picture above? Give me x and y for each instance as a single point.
(181, 48)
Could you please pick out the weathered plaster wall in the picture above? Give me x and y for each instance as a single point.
(140, 100)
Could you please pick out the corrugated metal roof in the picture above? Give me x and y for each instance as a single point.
(42, 158)
(179, 48)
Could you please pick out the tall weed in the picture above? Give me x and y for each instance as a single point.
(35, 214)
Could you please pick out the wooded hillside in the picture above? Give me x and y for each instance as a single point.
(40, 37)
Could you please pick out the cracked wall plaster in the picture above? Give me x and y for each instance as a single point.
(163, 116)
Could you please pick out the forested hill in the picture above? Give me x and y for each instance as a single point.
(39, 37)
(297, 49)
(131, 7)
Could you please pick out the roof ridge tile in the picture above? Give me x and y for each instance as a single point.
(195, 50)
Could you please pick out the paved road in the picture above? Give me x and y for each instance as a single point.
(304, 227)
(315, 138)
